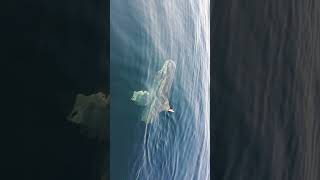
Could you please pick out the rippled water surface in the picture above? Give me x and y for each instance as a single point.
(265, 98)
(145, 33)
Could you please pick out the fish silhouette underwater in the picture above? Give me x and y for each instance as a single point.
(156, 100)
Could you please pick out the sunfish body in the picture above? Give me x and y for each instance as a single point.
(156, 99)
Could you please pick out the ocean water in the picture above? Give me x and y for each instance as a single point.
(143, 34)
(265, 98)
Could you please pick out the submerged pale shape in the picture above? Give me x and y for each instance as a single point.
(91, 113)
(156, 99)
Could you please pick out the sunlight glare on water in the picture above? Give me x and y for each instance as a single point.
(144, 34)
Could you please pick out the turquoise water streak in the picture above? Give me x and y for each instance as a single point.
(145, 33)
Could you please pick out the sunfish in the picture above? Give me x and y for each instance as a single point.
(156, 99)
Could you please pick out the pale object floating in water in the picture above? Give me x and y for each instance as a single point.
(141, 97)
(156, 99)
(91, 113)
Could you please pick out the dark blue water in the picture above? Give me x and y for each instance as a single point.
(145, 33)
(265, 98)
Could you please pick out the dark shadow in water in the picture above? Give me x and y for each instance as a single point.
(62, 48)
